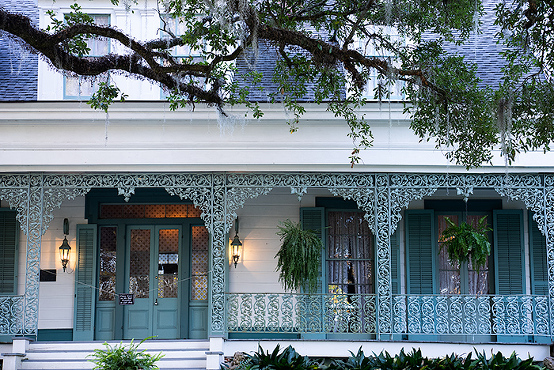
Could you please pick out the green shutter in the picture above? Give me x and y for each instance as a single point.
(9, 234)
(508, 251)
(313, 218)
(537, 246)
(420, 251)
(395, 263)
(85, 282)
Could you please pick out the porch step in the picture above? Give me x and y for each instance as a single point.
(178, 354)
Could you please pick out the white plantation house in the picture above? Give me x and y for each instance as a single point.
(149, 200)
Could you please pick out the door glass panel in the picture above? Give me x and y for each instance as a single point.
(108, 244)
(168, 263)
(139, 277)
(199, 257)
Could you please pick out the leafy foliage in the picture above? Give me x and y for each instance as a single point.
(288, 359)
(299, 258)
(466, 242)
(120, 357)
(323, 55)
(414, 360)
(78, 44)
(499, 362)
(105, 95)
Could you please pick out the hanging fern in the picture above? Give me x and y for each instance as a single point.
(299, 257)
(465, 242)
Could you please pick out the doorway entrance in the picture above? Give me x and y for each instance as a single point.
(153, 278)
(156, 249)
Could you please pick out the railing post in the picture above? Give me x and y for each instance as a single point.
(548, 231)
(214, 357)
(12, 360)
(383, 236)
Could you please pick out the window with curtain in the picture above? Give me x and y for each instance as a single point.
(456, 279)
(350, 253)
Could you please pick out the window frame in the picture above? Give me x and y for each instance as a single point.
(368, 50)
(79, 79)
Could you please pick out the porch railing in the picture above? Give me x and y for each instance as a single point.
(471, 314)
(301, 313)
(11, 315)
(411, 315)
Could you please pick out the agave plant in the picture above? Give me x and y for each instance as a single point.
(466, 242)
(288, 359)
(498, 362)
(358, 361)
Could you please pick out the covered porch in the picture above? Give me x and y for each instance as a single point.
(238, 306)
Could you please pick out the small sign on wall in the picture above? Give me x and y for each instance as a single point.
(126, 298)
(47, 274)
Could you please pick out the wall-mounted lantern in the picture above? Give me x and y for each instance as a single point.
(236, 245)
(65, 249)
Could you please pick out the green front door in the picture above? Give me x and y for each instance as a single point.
(152, 275)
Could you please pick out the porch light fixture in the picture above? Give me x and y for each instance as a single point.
(236, 244)
(65, 249)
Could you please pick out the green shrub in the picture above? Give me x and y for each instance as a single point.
(452, 362)
(358, 361)
(414, 360)
(499, 362)
(120, 357)
(287, 359)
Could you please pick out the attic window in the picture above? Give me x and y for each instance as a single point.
(78, 87)
(371, 48)
(178, 28)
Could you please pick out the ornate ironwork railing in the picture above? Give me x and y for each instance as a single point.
(471, 314)
(412, 314)
(11, 315)
(301, 313)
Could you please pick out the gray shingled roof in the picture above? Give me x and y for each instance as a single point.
(481, 48)
(18, 66)
(263, 61)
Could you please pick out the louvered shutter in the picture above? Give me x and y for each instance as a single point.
(395, 263)
(9, 233)
(420, 251)
(539, 273)
(508, 251)
(85, 280)
(313, 218)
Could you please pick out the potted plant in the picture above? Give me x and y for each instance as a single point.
(299, 258)
(121, 357)
(467, 242)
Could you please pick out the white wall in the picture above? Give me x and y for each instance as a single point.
(258, 220)
(56, 298)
